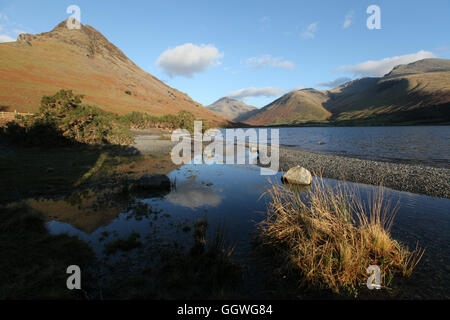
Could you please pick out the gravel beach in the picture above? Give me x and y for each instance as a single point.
(404, 177)
(152, 144)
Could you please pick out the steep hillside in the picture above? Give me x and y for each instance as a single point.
(294, 107)
(415, 93)
(85, 61)
(231, 108)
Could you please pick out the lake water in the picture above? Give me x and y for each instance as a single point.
(232, 197)
(427, 145)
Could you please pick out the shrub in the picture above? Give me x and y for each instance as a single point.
(181, 120)
(330, 238)
(140, 120)
(62, 119)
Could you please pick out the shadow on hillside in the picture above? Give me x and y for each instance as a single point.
(362, 100)
(368, 93)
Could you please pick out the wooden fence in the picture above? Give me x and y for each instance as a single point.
(12, 114)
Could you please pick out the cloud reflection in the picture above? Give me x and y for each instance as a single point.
(192, 195)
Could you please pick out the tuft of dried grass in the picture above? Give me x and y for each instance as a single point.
(331, 236)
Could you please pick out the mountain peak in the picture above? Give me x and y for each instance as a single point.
(66, 23)
(226, 100)
(86, 62)
(231, 108)
(88, 39)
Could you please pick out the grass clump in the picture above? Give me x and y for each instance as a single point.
(329, 237)
(63, 119)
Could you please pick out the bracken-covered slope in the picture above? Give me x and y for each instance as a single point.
(415, 93)
(86, 62)
(231, 108)
(294, 107)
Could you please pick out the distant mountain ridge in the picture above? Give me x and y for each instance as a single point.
(418, 92)
(86, 62)
(421, 66)
(232, 109)
(301, 105)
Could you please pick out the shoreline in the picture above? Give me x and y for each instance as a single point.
(344, 125)
(419, 179)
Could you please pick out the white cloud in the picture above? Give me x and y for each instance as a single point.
(265, 19)
(348, 19)
(256, 92)
(267, 60)
(6, 38)
(381, 67)
(188, 59)
(310, 31)
(334, 83)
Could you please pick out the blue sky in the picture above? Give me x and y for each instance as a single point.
(248, 49)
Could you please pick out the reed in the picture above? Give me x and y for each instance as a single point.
(330, 236)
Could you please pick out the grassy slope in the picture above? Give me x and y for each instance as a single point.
(62, 58)
(297, 106)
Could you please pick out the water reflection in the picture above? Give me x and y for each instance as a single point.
(231, 196)
(86, 211)
(192, 194)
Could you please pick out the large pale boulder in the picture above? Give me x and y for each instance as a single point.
(298, 175)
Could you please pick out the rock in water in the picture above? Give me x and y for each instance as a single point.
(153, 182)
(298, 175)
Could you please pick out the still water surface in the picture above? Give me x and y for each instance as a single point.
(426, 145)
(232, 196)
